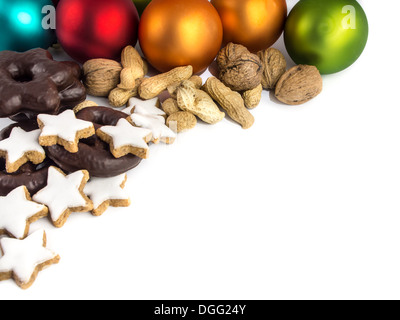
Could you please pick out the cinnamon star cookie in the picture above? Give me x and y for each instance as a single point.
(64, 195)
(22, 260)
(63, 129)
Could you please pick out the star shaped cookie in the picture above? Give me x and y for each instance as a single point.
(105, 192)
(64, 195)
(63, 129)
(146, 107)
(124, 138)
(157, 126)
(18, 211)
(22, 260)
(21, 147)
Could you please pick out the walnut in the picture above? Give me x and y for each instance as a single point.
(299, 85)
(100, 76)
(239, 69)
(274, 64)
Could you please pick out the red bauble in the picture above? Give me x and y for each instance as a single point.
(89, 29)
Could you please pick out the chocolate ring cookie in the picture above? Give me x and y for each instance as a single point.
(94, 154)
(34, 177)
(32, 83)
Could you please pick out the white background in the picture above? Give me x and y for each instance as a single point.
(304, 205)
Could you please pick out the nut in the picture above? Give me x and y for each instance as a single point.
(274, 64)
(230, 101)
(196, 80)
(198, 102)
(100, 76)
(299, 85)
(152, 87)
(133, 67)
(119, 97)
(170, 106)
(181, 121)
(252, 98)
(239, 69)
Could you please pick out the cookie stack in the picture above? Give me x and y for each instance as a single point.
(59, 144)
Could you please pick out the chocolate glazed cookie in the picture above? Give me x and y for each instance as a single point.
(94, 155)
(32, 82)
(34, 177)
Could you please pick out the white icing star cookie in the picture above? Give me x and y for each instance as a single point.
(22, 260)
(105, 192)
(21, 147)
(157, 126)
(128, 110)
(146, 107)
(125, 138)
(18, 211)
(63, 129)
(64, 194)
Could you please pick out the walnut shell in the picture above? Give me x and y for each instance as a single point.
(274, 64)
(239, 69)
(299, 85)
(100, 76)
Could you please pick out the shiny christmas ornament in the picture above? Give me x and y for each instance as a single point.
(256, 24)
(26, 24)
(176, 33)
(89, 29)
(329, 34)
(141, 5)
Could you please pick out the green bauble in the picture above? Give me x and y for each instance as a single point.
(329, 34)
(141, 5)
(25, 24)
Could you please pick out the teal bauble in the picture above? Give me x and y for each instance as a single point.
(329, 34)
(26, 24)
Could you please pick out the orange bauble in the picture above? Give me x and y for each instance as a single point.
(256, 24)
(176, 33)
